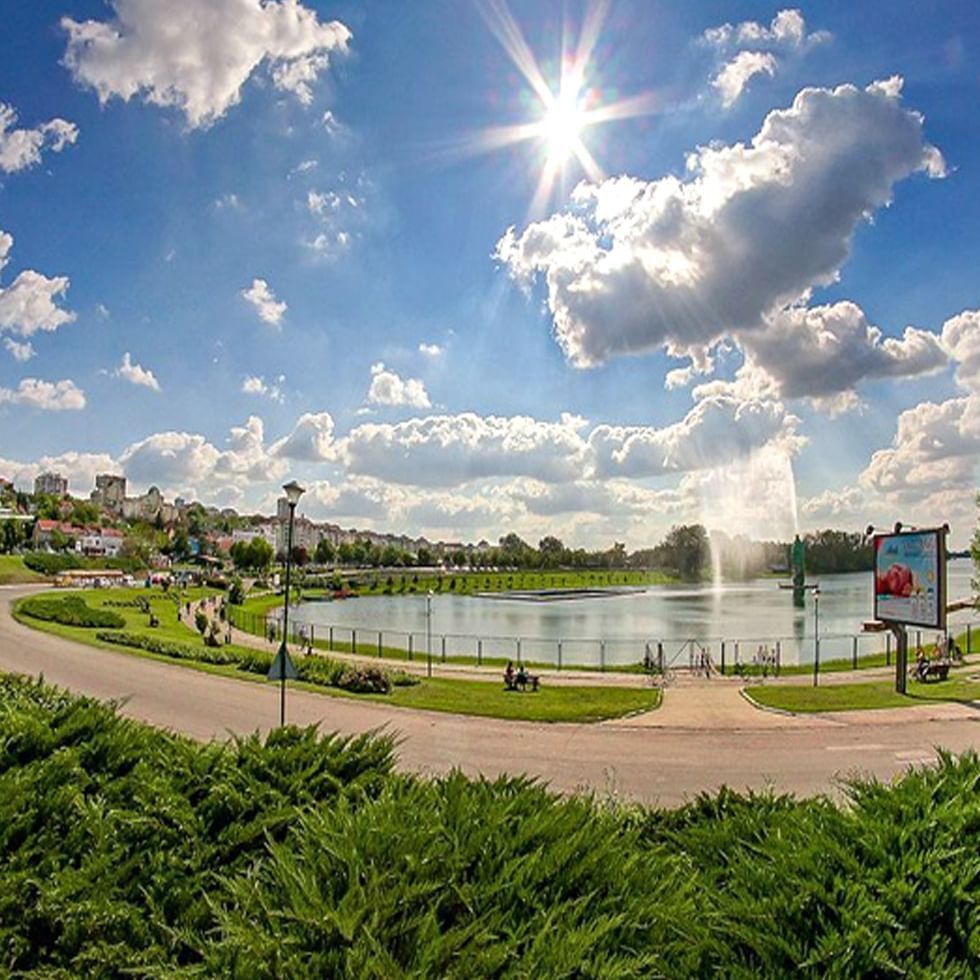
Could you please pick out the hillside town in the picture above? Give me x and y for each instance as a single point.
(111, 523)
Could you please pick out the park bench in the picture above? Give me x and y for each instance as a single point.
(934, 670)
(516, 683)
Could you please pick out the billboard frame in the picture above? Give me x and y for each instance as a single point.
(939, 622)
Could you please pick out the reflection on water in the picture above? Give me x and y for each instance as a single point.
(754, 612)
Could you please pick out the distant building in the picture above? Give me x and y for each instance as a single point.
(110, 491)
(149, 507)
(52, 483)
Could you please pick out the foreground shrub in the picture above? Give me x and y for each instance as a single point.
(69, 610)
(126, 851)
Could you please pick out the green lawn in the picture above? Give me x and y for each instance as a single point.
(486, 698)
(870, 694)
(13, 571)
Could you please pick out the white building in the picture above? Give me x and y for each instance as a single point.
(105, 541)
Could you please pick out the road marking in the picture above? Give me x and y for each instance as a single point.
(864, 747)
(915, 755)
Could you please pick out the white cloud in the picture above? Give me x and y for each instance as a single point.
(448, 450)
(269, 309)
(188, 464)
(387, 388)
(136, 374)
(824, 352)
(787, 29)
(22, 148)
(228, 202)
(638, 265)
(310, 441)
(79, 469)
(49, 396)
(19, 352)
(961, 338)
(273, 390)
(102, 311)
(936, 447)
(736, 74)
(431, 350)
(197, 54)
(30, 302)
(718, 429)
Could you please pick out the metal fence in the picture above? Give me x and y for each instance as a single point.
(729, 655)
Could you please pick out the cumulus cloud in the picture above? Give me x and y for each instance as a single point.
(448, 450)
(187, 463)
(824, 352)
(718, 429)
(603, 498)
(431, 350)
(787, 29)
(269, 309)
(736, 74)
(79, 469)
(310, 441)
(18, 351)
(255, 385)
(22, 148)
(30, 302)
(787, 33)
(136, 374)
(387, 388)
(49, 396)
(636, 265)
(961, 338)
(196, 55)
(936, 447)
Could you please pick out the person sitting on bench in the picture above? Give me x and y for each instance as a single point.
(921, 665)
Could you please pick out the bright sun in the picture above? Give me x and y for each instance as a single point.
(561, 127)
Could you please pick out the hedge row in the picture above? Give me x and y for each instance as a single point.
(312, 669)
(69, 610)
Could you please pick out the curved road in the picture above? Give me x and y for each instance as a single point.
(703, 737)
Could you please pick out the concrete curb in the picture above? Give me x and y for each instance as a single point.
(765, 707)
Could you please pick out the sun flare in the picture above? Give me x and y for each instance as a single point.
(562, 126)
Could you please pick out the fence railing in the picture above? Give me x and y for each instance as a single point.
(758, 654)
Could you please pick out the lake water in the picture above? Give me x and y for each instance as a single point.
(616, 629)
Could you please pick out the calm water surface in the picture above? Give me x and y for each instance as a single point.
(753, 612)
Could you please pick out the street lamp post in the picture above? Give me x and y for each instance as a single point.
(816, 634)
(293, 492)
(428, 631)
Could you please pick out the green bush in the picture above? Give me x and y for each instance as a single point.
(363, 680)
(69, 610)
(167, 648)
(50, 563)
(126, 851)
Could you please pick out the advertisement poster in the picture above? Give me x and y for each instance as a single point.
(910, 582)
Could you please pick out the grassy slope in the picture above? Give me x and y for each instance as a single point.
(484, 698)
(13, 571)
(869, 694)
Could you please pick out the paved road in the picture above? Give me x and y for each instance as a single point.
(660, 758)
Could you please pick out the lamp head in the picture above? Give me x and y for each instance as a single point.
(293, 492)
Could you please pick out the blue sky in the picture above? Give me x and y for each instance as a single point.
(241, 242)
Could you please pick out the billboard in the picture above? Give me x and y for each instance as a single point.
(910, 578)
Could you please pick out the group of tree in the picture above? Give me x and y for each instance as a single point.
(255, 555)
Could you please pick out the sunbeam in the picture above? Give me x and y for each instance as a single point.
(565, 115)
